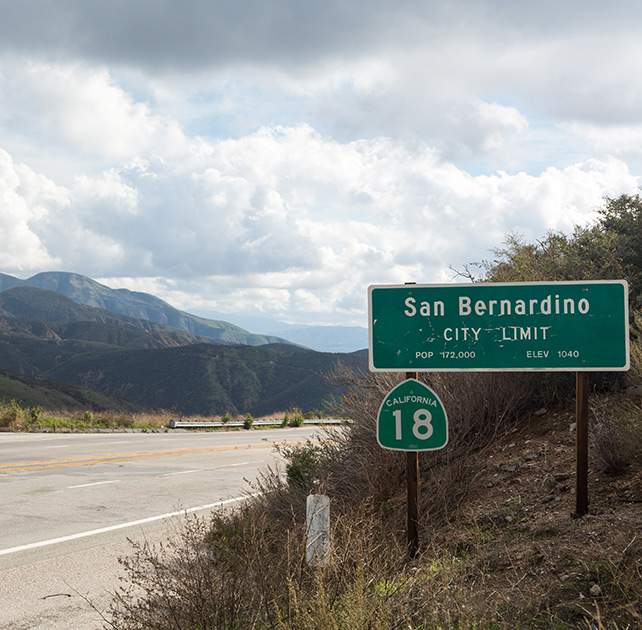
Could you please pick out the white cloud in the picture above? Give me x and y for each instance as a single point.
(619, 140)
(25, 201)
(461, 79)
(81, 109)
(259, 179)
(287, 221)
(499, 121)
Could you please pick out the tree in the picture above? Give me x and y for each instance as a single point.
(587, 254)
(621, 219)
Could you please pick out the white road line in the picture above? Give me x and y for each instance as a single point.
(25, 437)
(59, 446)
(111, 528)
(233, 465)
(95, 483)
(186, 472)
(181, 472)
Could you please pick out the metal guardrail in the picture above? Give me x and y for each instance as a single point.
(186, 424)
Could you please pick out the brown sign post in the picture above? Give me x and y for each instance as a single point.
(412, 418)
(581, 443)
(412, 480)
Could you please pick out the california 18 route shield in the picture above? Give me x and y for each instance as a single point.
(412, 418)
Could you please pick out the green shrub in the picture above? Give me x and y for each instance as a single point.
(285, 421)
(248, 422)
(88, 417)
(297, 421)
(12, 415)
(35, 414)
(610, 248)
(217, 578)
(302, 464)
(226, 418)
(297, 418)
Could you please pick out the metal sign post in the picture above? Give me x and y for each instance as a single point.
(412, 482)
(581, 443)
(412, 418)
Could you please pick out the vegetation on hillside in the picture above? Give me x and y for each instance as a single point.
(611, 247)
(208, 379)
(16, 417)
(502, 553)
(498, 547)
(30, 392)
(44, 335)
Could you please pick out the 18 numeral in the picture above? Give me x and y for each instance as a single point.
(422, 427)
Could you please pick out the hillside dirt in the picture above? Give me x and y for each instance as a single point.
(525, 562)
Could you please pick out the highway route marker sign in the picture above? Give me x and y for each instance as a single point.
(412, 418)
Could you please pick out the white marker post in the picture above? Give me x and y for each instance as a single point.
(317, 548)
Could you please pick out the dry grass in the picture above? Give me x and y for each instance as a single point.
(498, 547)
(215, 576)
(17, 417)
(480, 406)
(505, 562)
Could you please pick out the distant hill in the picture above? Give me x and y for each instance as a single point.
(49, 315)
(327, 338)
(194, 379)
(8, 282)
(55, 351)
(133, 304)
(27, 356)
(324, 338)
(42, 393)
(207, 379)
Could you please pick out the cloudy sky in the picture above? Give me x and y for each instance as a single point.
(279, 156)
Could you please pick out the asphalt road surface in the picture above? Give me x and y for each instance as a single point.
(68, 504)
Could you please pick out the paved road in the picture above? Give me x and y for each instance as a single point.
(68, 503)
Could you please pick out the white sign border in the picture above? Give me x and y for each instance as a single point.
(624, 284)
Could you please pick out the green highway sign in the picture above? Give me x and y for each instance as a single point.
(549, 326)
(412, 418)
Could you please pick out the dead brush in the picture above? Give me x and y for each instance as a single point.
(483, 405)
(615, 432)
(480, 406)
(246, 569)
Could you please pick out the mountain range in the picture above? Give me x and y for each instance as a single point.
(95, 352)
(137, 305)
(49, 315)
(223, 327)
